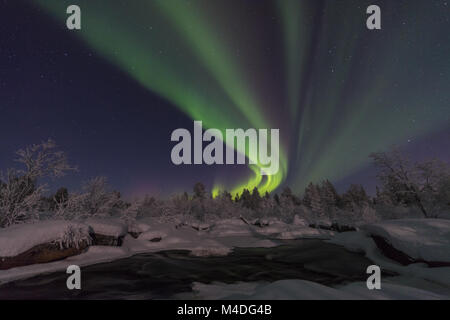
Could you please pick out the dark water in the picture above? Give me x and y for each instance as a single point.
(161, 275)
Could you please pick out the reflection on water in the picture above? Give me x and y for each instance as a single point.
(164, 274)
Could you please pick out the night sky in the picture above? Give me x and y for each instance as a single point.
(112, 93)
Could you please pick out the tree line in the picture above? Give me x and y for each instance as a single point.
(417, 186)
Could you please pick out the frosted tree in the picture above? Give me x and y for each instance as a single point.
(443, 194)
(355, 197)
(329, 194)
(98, 201)
(419, 184)
(330, 199)
(19, 199)
(268, 207)
(95, 200)
(316, 202)
(312, 199)
(221, 207)
(382, 198)
(43, 160)
(20, 192)
(199, 191)
(131, 212)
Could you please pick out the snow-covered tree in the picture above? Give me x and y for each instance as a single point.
(329, 194)
(317, 205)
(95, 200)
(312, 199)
(130, 213)
(19, 199)
(199, 190)
(418, 184)
(98, 200)
(20, 192)
(355, 197)
(43, 160)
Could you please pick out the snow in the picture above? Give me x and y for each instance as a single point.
(173, 237)
(107, 227)
(94, 255)
(359, 241)
(353, 241)
(293, 289)
(300, 221)
(182, 238)
(20, 238)
(421, 239)
(305, 233)
(273, 229)
(391, 291)
(138, 227)
(153, 234)
(231, 227)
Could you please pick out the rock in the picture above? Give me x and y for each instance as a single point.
(42, 253)
(392, 253)
(389, 251)
(412, 240)
(153, 235)
(107, 232)
(342, 228)
(105, 240)
(333, 227)
(134, 234)
(261, 223)
(200, 226)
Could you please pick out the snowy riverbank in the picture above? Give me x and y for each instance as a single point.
(151, 236)
(422, 240)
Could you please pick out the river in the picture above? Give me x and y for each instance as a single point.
(164, 274)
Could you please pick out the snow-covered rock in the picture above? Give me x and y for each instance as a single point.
(17, 239)
(420, 239)
(140, 226)
(200, 226)
(231, 227)
(153, 235)
(42, 242)
(352, 241)
(360, 241)
(107, 232)
(107, 227)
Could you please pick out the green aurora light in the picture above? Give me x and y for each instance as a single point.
(348, 91)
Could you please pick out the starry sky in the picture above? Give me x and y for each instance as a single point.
(112, 93)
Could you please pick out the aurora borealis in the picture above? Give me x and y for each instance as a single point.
(336, 90)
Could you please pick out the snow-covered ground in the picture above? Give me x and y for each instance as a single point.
(418, 238)
(293, 289)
